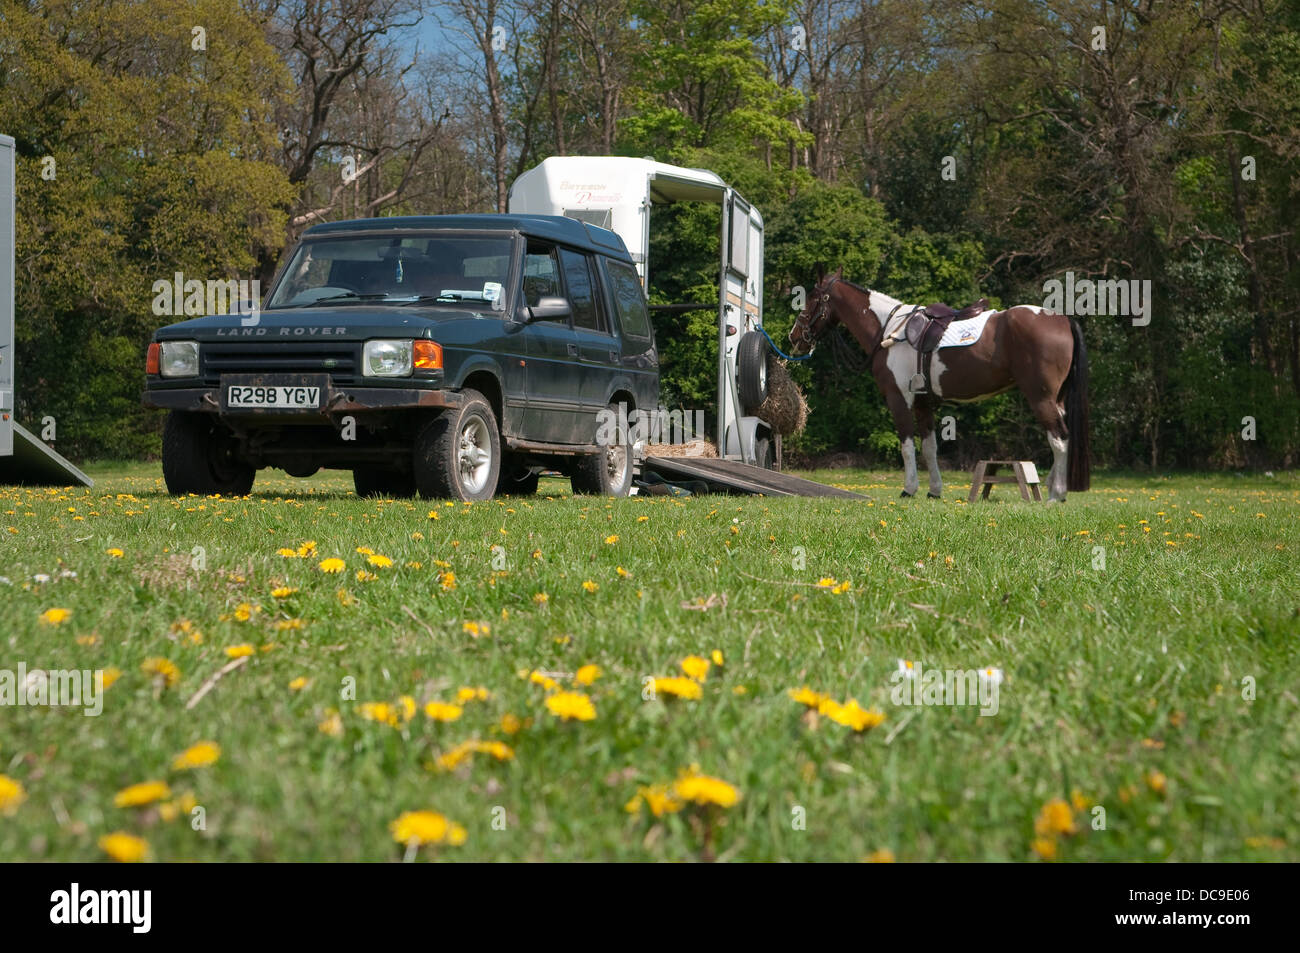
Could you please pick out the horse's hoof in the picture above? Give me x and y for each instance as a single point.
(934, 496)
(907, 496)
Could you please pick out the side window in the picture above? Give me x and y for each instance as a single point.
(578, 280)
(541, 273)
(625, 289)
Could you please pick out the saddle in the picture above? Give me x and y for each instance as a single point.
(924, 329)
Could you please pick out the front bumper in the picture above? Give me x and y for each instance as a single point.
(337, 400)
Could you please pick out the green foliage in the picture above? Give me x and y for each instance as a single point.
(163, 161)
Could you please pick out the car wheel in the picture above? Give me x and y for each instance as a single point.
(608, 473)
(457, 454)
(201, 456)
(371, 480)
(751, 369)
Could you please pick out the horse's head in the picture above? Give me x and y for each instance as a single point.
(816, 318)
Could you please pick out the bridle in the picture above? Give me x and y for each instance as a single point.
(810, 333)
(807, 335)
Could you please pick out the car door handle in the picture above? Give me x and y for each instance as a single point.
(573, 350)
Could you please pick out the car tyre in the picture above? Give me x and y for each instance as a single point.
(201, 456)
(457, 454)
(608, 473)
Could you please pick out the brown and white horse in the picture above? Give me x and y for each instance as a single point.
(1040, 352)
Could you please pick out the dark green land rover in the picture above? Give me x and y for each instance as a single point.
(451, 356)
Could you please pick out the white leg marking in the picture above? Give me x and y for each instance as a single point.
(930, 450)
(911, 482)
(1056, 479)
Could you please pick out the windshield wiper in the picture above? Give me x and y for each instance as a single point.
(451, 298)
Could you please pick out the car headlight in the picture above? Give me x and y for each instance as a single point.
(387, 359)
(178, 359)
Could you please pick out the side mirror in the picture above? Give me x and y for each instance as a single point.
(550, 308)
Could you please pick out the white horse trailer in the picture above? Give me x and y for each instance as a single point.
(618, 193)
(23, 457)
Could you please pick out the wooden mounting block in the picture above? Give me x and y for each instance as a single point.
(1024, 475)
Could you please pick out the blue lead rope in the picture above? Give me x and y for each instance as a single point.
(788, 357)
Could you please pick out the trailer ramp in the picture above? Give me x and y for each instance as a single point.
(732, 476)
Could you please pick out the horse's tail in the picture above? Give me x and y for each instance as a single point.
(1078, 477)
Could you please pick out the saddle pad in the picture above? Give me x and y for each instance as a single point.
(965, 333)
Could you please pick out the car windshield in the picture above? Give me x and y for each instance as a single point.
(446, 270)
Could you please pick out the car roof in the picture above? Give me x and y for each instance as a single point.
(556, 228)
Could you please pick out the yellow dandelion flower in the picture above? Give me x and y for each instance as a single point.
(1045, 847)
(124, 848)
(282, 592)
(115, 552)
(332, 565)
(1055, 817)
(298, 684)
(365, 550)
(197, 756)
(587, 674)
(476, 629)
(380, 711)
(345, 598)
(511, 724)
(448, 581)
(623, 573)
(541, 598)
(422, 828)
(1157, 782)
(882, 855)
(244, 612)
(471, 694)
(163, 669)
(851, 714)
(703, 789)
(611, 540)
(110, 675)
(806, 696)
(1079, 801)
(408, 707)
(680, 687)
(826, 582)
(142, 794)
(442, 711)
(288, 625)
(55, 616)
(657, 798)
(379, 561)
(239, 651)
(287, 553)
(571, 706)
(696, 667)
(331, 724)
(716, 655)
(12, 794)
(589, 585)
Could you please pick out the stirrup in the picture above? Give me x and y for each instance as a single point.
(917, 384)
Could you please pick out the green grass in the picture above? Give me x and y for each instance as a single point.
(1112, 674)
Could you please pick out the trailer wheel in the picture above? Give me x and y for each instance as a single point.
(371, 480)
(457, 454)
(751, 370)
(201, 456)
(608, 473)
